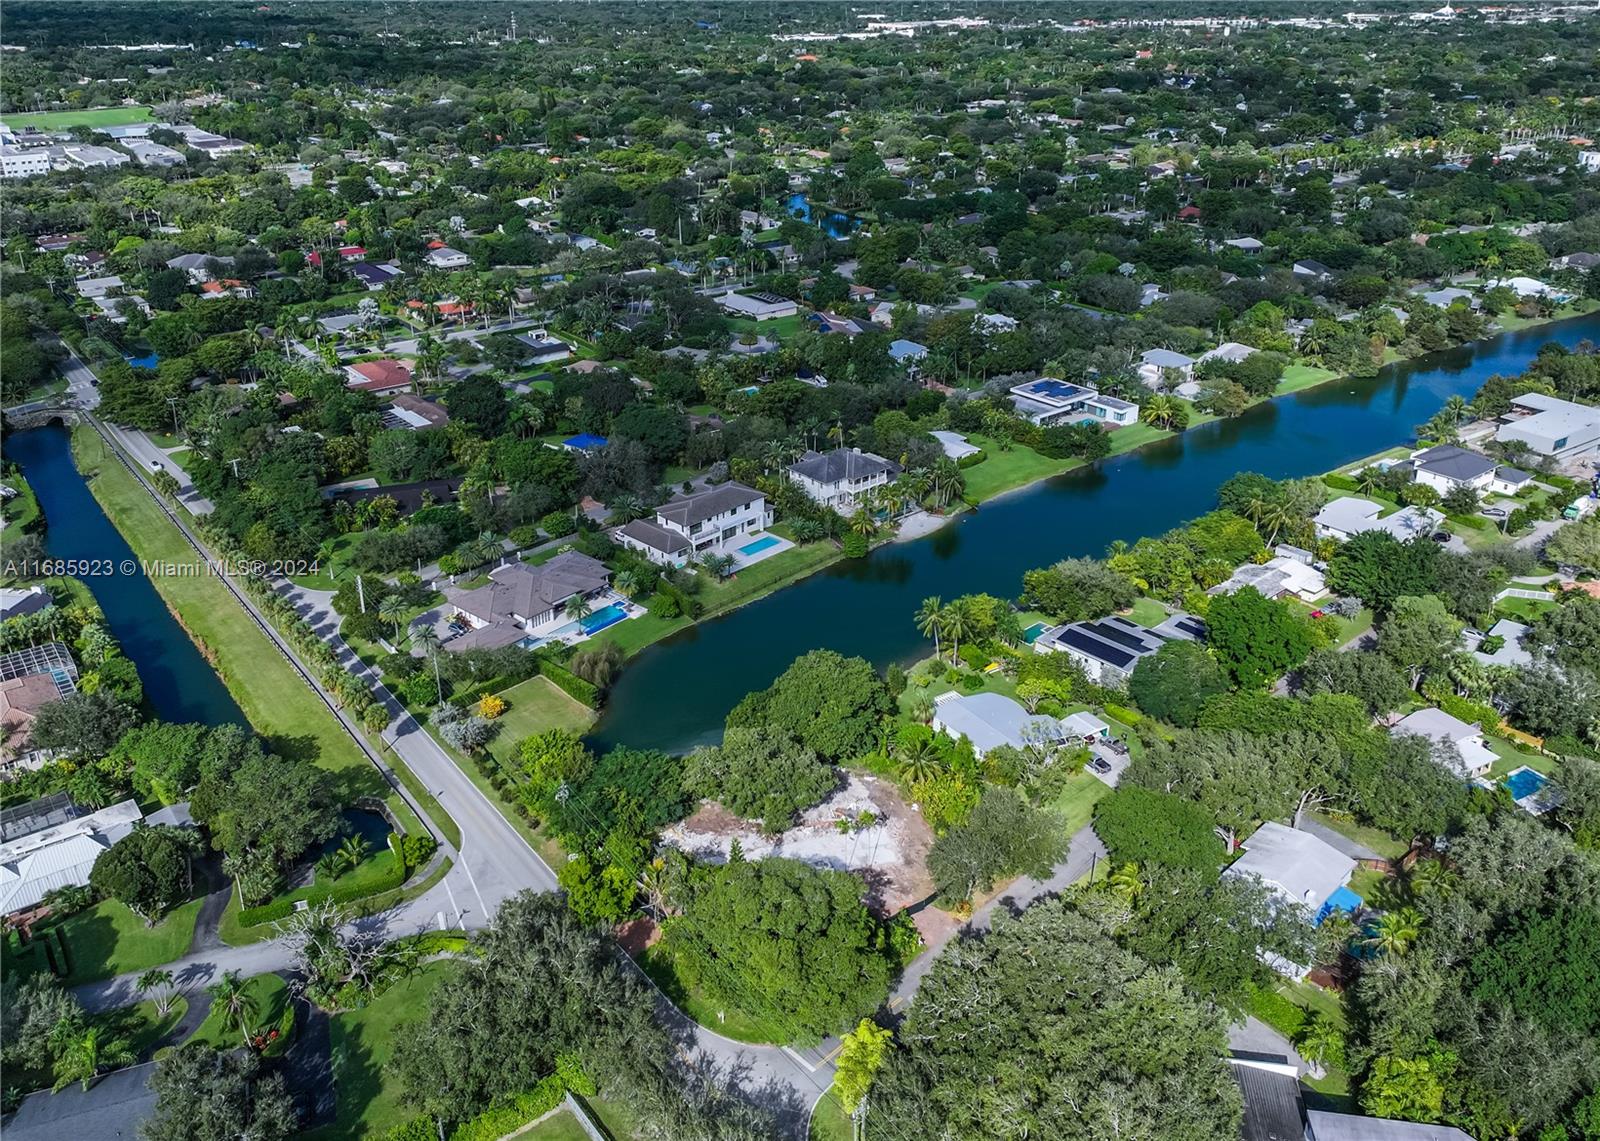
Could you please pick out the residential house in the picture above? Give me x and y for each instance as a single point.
(1312, 269)
(92, 287)
(955, 445)
(17, 602)
(30, 679)
(199, 266)
(522, 601)
(413, 412)
(840, 479)
(1157, 365)
(1551, 426)
(1526, 287)
(1583, 261)
(543, 348)
(1302, 870)
(1448, 296)
(374, 275)
(1508, 649)
(990, 720)
(1248, 245)
(1107, 648)
(584, 443)
(441, 256)
(379, 376)
(225, 287)
(1275, 1110)
(907, 352)
(1470, 757)
(54, 844)
(700, 523)
(989, 323)
(1447, 467)
(1150, 293)
(1280, 576)
(833, 323)
(1347, 517)
(1049, 402)
(1230, 351)
(758, 306)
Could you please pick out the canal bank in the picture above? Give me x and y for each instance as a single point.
(179, 684)
(675, 694)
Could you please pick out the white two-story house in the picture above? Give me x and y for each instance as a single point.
(689, 527)
(841, 478)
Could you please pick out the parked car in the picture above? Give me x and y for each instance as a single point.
(1494, 512)
(1100, 765)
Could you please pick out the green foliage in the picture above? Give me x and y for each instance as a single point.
(1175, 682)
(760, 774)
(1002, 836)
(570, 683)
(1255, 639)
(1145, 827)
(788, 945)
(827, 701)
(1546, 968)
(148, 869)
(861, 1054)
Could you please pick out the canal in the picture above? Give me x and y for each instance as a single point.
(179, 684)
(675, 694)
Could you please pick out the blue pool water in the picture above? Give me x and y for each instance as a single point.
(600, 619)
(1525, 782)
(759, 545)
(1032, 632)
(149, 360)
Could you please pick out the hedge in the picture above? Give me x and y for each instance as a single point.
(513, 1112)
(972, 460)
(1476, 522)
(1123, 714)
(1277, 1012)
(283, 908)
(570, 683)
(1340, 482)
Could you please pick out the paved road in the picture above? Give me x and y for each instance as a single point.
(150, 459)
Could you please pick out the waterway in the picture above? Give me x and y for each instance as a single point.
(675, 694)
(179, 684)
(833, 223)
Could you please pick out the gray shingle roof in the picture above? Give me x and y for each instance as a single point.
(841, 464)
(1452, 462)
(654, 536)
(687, 510)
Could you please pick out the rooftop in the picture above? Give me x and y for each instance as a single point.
(1300, 866)
(841, 464)
(990, 720)
(687, 510)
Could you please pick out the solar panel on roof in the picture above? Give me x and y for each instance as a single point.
(1120, 637)
(1079, 640)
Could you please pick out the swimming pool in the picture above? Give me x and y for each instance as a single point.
(1524, 782)
(600, 619)
(765, 543)
(149, 360)
(1032, 632)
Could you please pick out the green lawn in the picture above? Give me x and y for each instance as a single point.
(1076, 803)
(1007, 470)
(269, 993)
(53, 385)
(22, 510)
(333, 564)
(278, 704)
(108, 939)
(1387, 846)
(560, 1127)
(146, 1030)
(1522, 609)
(1147, 611)
(95, 117)
(829, 1121)
(1138, 435)
(1298, 376)
(532, 706)
(781, 328)
(371, 874)
(1513, 758)
(363, 1041)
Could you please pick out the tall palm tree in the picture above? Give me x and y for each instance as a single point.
(1127, 882)
(352, 850)
(1395, 931)
(919, 761)
(930, 621)
(957, 621)
(82, 1051)
(234, 1003)
(625, 507)
(1160, 411)
(158, 982)
(578, 608)
(393, 611)
(862, 523)
(427, 637)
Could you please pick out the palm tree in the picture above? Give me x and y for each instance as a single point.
(352, 850)
(1395, 931)
(919, 761)
(427, 637)
(957, 621)
(1159, 411)
(625, 507)
(578, 607)
(720, 566)
(1127, 882)
(393, 610)
(81, 1052)
(158, 981)
(930, 620)
(234, 1003)
(862, 523)
(1368, 480)
(1319, 1040)
(1456, 408)
(328, 867)
(1429, 877)
(626, 582)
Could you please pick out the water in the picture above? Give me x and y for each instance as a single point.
(179, 684)
(833, 223)
(149, 360)
(759, 545)
(1524, 782)
(676, 694)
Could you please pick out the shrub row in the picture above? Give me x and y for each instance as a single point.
(277, 909)
(570, 683)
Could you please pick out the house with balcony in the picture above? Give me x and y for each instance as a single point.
(840, 479)
(716, 521)
(522, 602)
(1049, 402)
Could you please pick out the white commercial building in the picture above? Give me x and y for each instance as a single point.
(18, 162)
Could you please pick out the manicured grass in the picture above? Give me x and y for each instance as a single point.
(1008, 469)
(1147, 611)
(660, 965)
(333, 564)
(1387, 846)
(561, 1127)
(779, 328)
(1368, 883)
(95, 117)
(1512, 758)
(363, 1041)
(270, 995)
(108, 939)
(1076, 803)
(372, 874)
(21, 510)
(148, 1030)
(1138, 435)
(278, 704)
(533, 706)
(829, 1121)
(1522, 609)
(1298, 376)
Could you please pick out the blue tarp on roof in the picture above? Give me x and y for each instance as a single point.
(1342, 900)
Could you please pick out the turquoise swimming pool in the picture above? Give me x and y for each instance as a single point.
(765, 543)
(1524, 782)
(600, 619)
